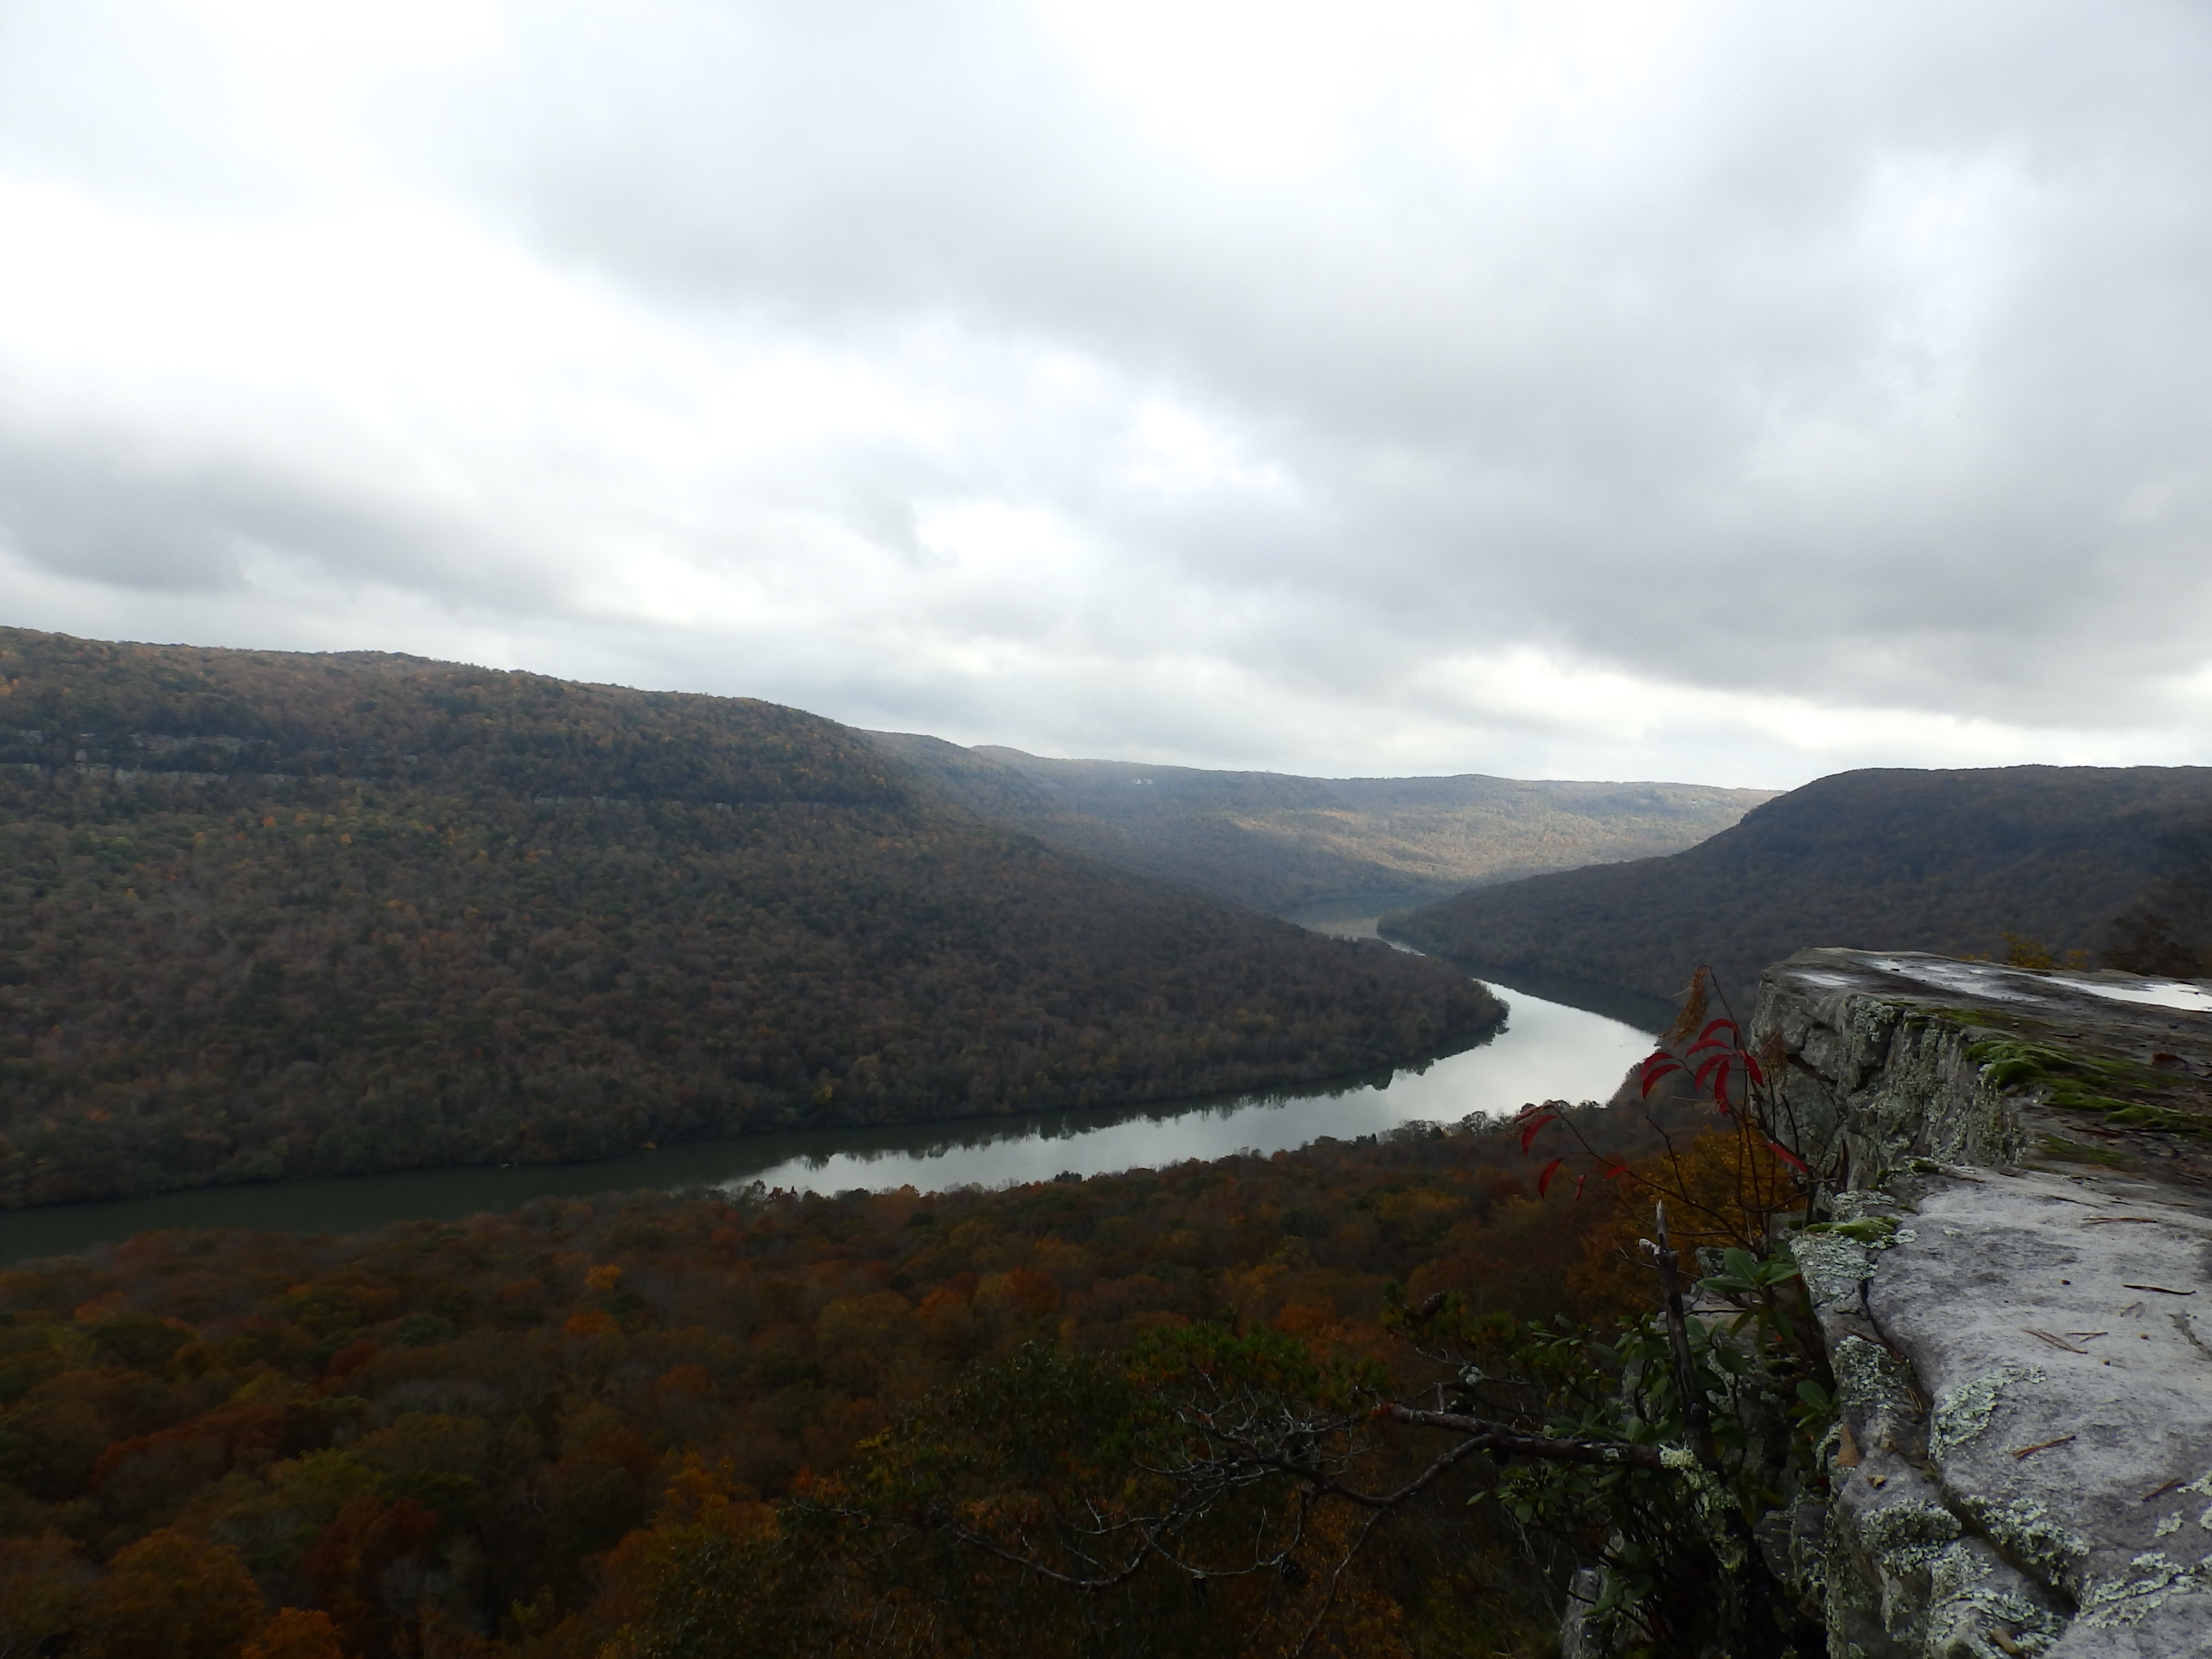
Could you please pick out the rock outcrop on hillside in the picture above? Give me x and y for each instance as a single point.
(2020, 1319)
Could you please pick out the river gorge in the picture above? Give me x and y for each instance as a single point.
(1544, 1051)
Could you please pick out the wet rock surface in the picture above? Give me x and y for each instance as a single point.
(1969, 1062)
(2022, 1341)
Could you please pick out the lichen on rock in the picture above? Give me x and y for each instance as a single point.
(2155, 1579)
(2014, 1514)
(1964, 1411)
(1834, 1267)
(1874, 1387)
(1909, 1534)
(2025, 1530)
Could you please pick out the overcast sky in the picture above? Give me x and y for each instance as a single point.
(1729, 393)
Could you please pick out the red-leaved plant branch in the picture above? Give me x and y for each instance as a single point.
(1780, 1164)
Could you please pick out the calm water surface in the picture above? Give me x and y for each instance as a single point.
(1546, 1051)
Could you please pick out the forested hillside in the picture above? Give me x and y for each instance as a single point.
(265, 915)
(2102, 860)
(501, 1437)
(1314, 847)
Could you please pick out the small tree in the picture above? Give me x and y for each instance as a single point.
(1782, 1162)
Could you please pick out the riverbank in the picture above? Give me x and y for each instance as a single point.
(1543, 1050)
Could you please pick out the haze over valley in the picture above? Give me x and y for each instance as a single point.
(1320, 849)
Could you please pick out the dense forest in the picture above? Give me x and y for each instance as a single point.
(1320, 847)
(268, 915)
(490, 1437)
(2106, 862)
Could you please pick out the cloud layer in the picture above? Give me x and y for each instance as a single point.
(1725, 392)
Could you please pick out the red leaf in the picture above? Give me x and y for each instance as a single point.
(1579, 1180)
(1707, 1040)
(1656, 1067)
(1720, 1087)
(1528, 1132)
(1616, 1172)
(1758, 1076)
(1544, 1181)
(1790, 1158)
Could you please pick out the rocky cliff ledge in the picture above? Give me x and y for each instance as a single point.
(2017, 1301)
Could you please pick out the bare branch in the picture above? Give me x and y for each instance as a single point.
(1483, 1435)
(1695, 1416)
(1335, 1578)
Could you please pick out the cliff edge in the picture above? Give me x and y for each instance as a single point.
(2016, 1294)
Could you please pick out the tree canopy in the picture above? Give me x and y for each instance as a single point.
(267, 914)
(529, 1432)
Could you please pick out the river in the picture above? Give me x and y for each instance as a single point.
(1544, 1051)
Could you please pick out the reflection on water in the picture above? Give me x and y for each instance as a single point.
(1546, 1051)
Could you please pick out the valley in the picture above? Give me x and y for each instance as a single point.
(1320, 849)
(498, 1168)
(267, 915)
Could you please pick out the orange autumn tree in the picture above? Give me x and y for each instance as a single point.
(1698, 1179)
(296, 1634)
(1757, 1156)
(170, 1596)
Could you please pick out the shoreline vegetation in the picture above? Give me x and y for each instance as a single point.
(265, 915)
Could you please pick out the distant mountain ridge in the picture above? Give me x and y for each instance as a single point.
(266, 913)
(1306, 848)
(1889, 859)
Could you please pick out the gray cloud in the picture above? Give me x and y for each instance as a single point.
(91, 508)
(1719, 376)
(1793, 389)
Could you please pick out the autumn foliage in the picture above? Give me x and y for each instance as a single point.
(266, 916)
(1735, 1152)
(502, 1437)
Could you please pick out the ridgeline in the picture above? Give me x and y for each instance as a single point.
(266, 915)
(2106, 861)
(1320, 849)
